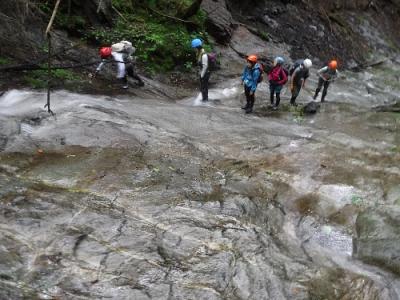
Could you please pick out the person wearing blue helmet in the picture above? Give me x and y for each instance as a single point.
(202, 62)
(277, 78)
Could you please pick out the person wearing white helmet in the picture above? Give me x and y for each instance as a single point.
(299, 73)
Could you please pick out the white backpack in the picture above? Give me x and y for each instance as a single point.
(124, 47)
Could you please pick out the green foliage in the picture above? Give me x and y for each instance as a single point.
(37, 79)
(4, 61)
(162, 43)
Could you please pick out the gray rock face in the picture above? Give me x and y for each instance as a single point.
(219, 20)
(378, 237)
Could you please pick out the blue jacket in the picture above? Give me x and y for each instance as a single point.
(250, 77)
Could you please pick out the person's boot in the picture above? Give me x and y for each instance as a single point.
(278, 100)
(293, 102)
(316, 94)
(246, 106)
(124, 82)
(271, 99)
(323, 96)
(249, 109)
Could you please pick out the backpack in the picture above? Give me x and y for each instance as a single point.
(123, 46)
(296, 64)
(261, 77)
(213, 63)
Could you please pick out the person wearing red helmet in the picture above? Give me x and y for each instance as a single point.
(250, 79)
(326, 75)
(121, 53)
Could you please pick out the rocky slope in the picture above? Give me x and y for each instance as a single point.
(152, 195)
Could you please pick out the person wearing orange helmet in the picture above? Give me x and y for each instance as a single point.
(250, 79)
(326, 75)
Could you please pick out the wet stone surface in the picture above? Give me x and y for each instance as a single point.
(133, 198)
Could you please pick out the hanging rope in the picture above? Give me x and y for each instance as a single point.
(49, 73)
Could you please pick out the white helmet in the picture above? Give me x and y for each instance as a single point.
(307, 63)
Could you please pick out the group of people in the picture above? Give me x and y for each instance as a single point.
(278, 76)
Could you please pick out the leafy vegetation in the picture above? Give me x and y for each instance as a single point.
(37, 79)
(160, 30)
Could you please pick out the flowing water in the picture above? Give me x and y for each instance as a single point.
(130, 198)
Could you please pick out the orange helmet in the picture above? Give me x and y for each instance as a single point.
(105, 52)
(333, 64)
(252, 58)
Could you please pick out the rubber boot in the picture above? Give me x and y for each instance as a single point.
(278, 100)
(249, 109)
(293, 101)
(316, 93)
(324, 95)
(271, 98)
(124, 82)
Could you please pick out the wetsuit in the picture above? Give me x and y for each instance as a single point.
(326, 76)
(299, 76)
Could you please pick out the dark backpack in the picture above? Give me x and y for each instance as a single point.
(213, 63)
(296, 64)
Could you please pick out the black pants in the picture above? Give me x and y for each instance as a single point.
(250, 98)
(275, 89)
(321, 83)
(297, 84)
(130, 71)
(204, 86)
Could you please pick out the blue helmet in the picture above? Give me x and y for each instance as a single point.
(279, 60)
(196, 43)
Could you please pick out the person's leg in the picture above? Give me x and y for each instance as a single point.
(278, 99)
(278, 90)
(272, 92)
(247, 94)
(325, 91)
(124, 81)
(295, 93)
(252, 99)
(320, 83)
(130, 69)
(204, 86)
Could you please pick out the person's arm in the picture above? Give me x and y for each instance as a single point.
(256, 75)
(100, 66)
(204, 63)
(284, 77)
(321, 72)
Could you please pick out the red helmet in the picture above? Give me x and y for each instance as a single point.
(252, 58)
(333, 65)
(105, 52)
